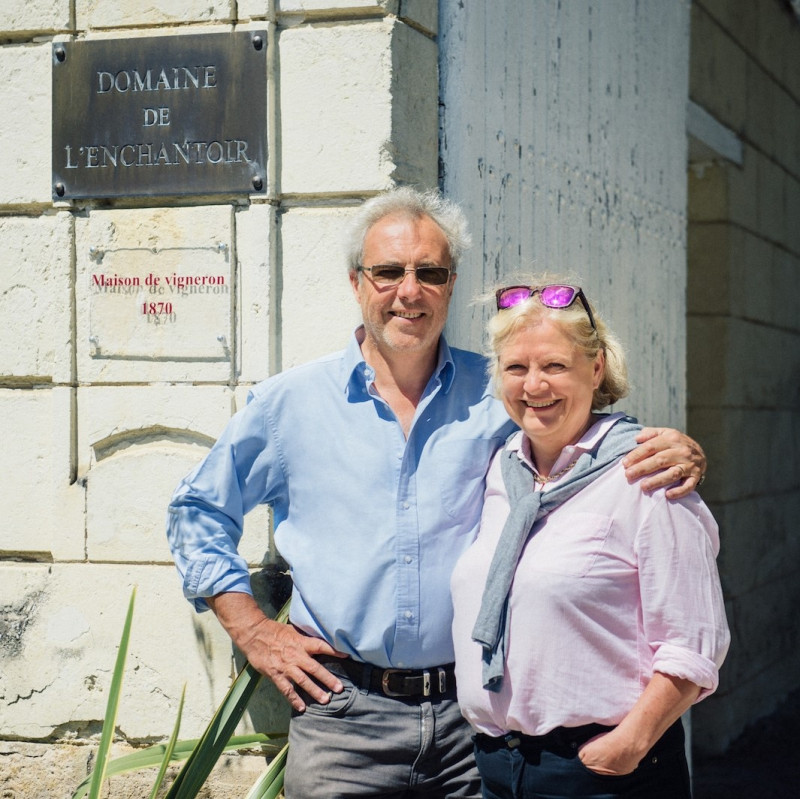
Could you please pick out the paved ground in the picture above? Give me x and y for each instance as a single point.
(764, 763)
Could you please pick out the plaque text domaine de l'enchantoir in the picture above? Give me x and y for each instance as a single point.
(166, 115)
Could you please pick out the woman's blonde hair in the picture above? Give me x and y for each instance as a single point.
(575, 324)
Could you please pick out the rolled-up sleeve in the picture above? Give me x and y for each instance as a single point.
(206, 515)
(682, 603)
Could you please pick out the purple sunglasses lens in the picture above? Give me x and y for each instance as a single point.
(512, 297)
(557, 296)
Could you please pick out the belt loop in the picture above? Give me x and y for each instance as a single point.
(366, 676)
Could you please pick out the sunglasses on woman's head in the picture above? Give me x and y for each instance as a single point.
(551, 296)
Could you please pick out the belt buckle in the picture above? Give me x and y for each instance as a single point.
(387, 673)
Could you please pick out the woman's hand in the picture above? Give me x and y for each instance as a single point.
(609, 754)
(620, 750)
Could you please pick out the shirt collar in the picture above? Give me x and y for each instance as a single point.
(358, 375)
(602, 423)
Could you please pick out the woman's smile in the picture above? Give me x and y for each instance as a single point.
(547, 387)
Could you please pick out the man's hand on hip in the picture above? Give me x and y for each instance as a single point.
(277, 650)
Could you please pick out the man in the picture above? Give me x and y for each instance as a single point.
(373, 460)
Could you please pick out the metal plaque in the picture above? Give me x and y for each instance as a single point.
(164, 115)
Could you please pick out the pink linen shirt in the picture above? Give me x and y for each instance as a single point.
(613, 585)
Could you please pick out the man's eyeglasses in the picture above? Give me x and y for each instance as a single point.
(393, 274)
(552, 296)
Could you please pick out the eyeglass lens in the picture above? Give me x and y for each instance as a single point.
(390, 273)
(557, 296)
(513, 296)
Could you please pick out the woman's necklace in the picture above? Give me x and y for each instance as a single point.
(537, 478)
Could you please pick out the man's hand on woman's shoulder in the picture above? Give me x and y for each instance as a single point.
(666, 457)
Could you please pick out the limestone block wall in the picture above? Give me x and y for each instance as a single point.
(744, 345)
(101, 412)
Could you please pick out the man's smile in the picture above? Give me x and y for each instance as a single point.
(407, 314)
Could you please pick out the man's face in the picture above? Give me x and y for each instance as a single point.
(410, 316)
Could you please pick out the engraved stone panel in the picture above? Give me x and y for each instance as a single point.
(142, 305)
(155, 294)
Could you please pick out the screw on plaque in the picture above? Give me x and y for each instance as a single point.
(60, 189)
(258, 183)
(61, 54)
(258, 42)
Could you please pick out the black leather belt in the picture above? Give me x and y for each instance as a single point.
(401, 683)
(567, 740)
(558, 739)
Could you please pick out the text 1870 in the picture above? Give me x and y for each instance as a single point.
(156, 308)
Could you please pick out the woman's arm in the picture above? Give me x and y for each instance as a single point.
(683, 617)
(661, 704)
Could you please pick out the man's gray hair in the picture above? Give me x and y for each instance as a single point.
(414, 204)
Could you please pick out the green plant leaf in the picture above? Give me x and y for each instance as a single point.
(110, 720)
(200, 754)
(202, 760)
(270, 783)
(165, 761)
(152, 756)
(283, 613)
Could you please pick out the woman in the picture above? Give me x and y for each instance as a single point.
(588, 615)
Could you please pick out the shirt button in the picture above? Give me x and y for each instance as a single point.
(408, 614)
(408, 559)
(406, 506)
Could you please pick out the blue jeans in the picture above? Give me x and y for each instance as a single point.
(548, 767)
(366, 744)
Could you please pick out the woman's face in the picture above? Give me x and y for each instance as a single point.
(547, 385)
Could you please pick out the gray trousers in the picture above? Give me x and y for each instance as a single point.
(365, 744)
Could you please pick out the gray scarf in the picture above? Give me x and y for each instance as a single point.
(527, 506)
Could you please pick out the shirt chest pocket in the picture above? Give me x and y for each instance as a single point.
(569, 544)
(461, 467)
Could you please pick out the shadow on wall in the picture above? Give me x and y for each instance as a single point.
(269, 712)
(760, 764)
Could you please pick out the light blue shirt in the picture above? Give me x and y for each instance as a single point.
(370, 523)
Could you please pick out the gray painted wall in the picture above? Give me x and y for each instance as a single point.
(563, 134)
